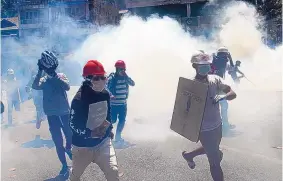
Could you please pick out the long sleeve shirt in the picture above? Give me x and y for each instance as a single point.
(119, 88)
(80, 106)
(55, 99)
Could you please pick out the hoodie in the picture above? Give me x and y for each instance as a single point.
(79, 116)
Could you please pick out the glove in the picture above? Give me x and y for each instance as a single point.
(218, 98)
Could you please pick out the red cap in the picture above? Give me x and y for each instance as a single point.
(93, 67)
(120, 64)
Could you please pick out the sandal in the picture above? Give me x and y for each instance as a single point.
(190, 162)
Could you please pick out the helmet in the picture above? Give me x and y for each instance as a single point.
(222, 49)
(48, 60)
(93, 67)
(201, 58)
(238, 62)
(120, 64)
(10, 72)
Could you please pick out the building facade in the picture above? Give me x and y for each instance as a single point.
(38, 16)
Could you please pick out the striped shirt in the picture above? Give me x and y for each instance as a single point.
(118, 87)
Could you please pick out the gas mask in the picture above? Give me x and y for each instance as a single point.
(203, 69)
(98, 83)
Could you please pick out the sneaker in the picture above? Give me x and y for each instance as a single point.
(64, 170)
(69, 153)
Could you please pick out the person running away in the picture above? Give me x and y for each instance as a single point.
(11, 87)
(211, 129)
(37, 96)
(55, 104)
(91, 125)
(220, 61)
(118, 85)
(234, 70)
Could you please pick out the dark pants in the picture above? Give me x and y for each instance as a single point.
(56, 123)
(119, 112)
(210, 141)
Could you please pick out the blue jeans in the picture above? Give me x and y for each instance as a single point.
(224, 111)
(119, 112)
(56, 123)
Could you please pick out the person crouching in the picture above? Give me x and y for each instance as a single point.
(91, 125)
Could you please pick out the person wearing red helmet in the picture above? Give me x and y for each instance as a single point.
(91, 125)
(118, 85)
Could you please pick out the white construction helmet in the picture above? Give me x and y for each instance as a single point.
(10, 72)
(200, 57)
(222, 49)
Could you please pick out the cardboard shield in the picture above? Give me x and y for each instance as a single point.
(97, 114)
(189, 108)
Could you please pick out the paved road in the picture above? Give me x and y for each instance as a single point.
(248, 152)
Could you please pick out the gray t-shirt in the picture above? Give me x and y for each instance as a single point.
(212, 117)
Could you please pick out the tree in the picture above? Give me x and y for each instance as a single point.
(271, 9)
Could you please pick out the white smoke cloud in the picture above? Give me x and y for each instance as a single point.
(157, 53)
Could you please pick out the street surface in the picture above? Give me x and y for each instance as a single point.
(28, 154)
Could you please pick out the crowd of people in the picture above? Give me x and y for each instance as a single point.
(100, 101)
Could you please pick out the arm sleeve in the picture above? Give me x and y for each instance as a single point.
(63, 81)
(77, 125)
(130, 81)
(108, 118)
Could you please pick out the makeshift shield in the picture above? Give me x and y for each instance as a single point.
(189, 108)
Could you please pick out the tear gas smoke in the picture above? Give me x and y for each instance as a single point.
(157, 53)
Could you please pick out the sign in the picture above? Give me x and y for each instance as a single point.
(97, 114)
(189, 108)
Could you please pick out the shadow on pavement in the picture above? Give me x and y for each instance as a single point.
(123, 145)
(38, 143)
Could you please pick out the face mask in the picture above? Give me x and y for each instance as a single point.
(98, 86)
(204, 69)
(121, 71)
